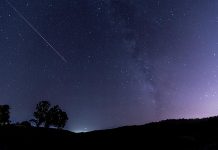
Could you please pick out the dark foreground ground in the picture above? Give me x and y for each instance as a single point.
(201, 134)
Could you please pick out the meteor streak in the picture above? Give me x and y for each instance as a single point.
(36, 31)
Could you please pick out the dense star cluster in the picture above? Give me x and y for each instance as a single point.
(128, 61)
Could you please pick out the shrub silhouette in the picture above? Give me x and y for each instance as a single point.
(26, 124)
(4, 114)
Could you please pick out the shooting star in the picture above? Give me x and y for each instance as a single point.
(36, 31)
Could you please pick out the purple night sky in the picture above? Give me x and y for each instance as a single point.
(128, 61)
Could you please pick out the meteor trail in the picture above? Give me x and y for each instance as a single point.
(36, 31)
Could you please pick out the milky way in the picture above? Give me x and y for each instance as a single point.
(128, 61)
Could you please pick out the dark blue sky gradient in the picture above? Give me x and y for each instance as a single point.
(128, 61)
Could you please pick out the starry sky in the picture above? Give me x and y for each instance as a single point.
(128, 62)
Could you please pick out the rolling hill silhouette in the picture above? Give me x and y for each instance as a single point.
(169, 134)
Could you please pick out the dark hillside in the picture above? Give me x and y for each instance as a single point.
(170, 134)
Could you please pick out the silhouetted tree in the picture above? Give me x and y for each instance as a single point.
(56, 117)
(62, 120)
(4, 114)
(40, 114)
(49, 116)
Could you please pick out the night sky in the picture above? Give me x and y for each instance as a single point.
(128, 62)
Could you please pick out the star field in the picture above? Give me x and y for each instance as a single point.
(128, 61)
